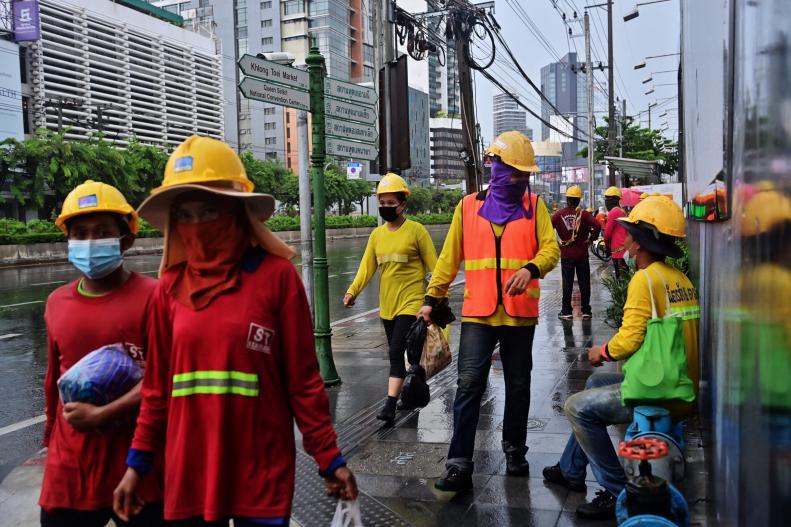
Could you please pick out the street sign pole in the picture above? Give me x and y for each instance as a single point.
(322, 331)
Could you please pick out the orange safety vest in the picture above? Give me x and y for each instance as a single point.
(490, 261)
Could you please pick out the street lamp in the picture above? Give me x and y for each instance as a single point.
(651, 76)
(642, 64)
(635, 13)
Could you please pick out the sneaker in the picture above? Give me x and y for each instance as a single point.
(587, 316)
(565, 316)
(516, 464)
(554, 475)
(602, 507)
(454, 480)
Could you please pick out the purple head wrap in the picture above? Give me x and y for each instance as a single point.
(504, 199)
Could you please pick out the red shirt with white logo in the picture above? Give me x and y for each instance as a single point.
(223, 387)
(564, 221)
(83, 468)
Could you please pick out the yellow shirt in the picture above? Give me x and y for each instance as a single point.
(453, 254)
(403, 258)
(667, 282)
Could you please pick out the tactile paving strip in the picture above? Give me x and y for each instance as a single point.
(313, 508)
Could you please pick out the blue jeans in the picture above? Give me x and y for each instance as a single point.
(590, 411)
(476, 346)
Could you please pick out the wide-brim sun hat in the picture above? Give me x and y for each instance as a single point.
(652, 240)
(156, 208)
(208, 165)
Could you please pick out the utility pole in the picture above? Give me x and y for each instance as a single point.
(388, 55)
(306, 236)
(589, 89)
(611, 94)
(468, 129)
(321, 307)
(623, 126)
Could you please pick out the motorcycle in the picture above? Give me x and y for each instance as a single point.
(600, 250)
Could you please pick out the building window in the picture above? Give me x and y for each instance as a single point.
(267, 41)
(241, 32)
(241, 46)
(241, 17)
(266, 5)
(270, 140)
(266, 23)
(204, 3)
(270, 126)
(293, 7)
(269, 110)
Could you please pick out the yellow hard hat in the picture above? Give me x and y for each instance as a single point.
(209, 165)
(205, 161)
(764, 211)
(574, 192)
(613, 192)
(660, 212)
(92, 197)
(514, 149)
(392, 183)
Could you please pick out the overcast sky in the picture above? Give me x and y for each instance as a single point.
(655, 32)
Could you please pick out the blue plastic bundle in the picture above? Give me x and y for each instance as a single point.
(100, 377)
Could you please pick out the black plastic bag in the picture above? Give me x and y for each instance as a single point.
(415, 338)
(441, 314)
(415, 392)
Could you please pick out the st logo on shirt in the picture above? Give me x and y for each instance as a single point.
(259, 338)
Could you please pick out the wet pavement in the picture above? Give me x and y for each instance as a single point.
(398, 466)
(23, 339)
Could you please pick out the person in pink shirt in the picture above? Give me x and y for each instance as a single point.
(614, 233)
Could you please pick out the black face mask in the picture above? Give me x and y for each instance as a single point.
(389, 213)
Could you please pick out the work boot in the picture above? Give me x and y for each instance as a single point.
(602, 507)
(554, 475)
(388, 411)
(516, 464)
(403, 407)
(454, 480)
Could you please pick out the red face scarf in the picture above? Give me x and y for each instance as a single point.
(214, 250)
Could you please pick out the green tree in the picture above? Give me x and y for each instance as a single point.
(420, 200)
(639, 143)
(42, 170)
(271, 177)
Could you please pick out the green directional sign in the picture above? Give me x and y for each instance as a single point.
(349, 92)
(344, 148)
(274, 93)
(351, 130)
(273, 72)
(350, 111)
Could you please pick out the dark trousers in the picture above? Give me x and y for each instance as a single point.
(396, 331)
(583, 269)
(620, 267)
(150, 516)
(475, 359)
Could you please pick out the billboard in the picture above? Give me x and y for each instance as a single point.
(26, 21)
(10, 92)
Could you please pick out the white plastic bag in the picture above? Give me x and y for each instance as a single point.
(347, 514)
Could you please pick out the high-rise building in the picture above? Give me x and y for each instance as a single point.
(564, 84)
(507, 115)
(124, 69)
(419, 138)
(242, 26)
(444, 92)
(447, 142)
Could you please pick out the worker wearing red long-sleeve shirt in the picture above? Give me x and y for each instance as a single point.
(232, 361)
(614, 233)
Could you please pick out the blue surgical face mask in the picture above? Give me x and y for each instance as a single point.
(96, 258)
